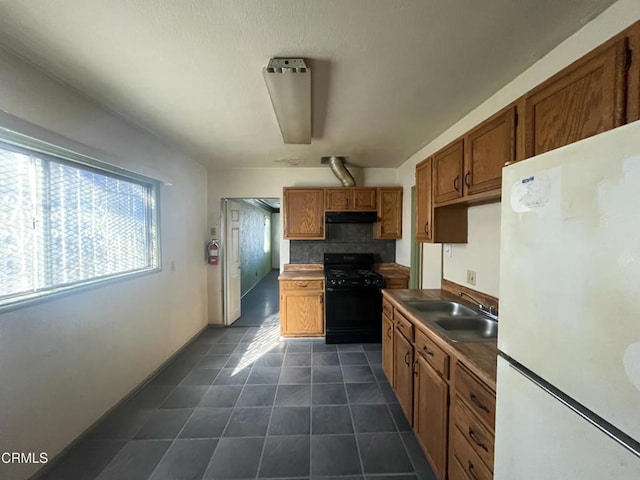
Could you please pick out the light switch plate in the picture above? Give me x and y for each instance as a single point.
(447, 250)
(471, 277)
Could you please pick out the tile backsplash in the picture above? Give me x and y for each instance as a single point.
(343, 238)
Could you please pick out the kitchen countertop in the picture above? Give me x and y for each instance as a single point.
(302, 271)
(314, 271)
(479, 357)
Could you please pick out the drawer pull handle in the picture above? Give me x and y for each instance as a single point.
(477, 403)
(427, 351)
(456, 183)
(301, 285)
(406, 357)
(476, 440)
(472, 470)
(389, 332)
(426, 228)
(415, 368)
(466, 179)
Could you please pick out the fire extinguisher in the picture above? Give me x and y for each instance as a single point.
(213, 248)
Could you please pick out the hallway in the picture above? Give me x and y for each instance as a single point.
(261, 305)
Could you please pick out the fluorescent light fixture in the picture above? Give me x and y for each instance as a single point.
(289, 84)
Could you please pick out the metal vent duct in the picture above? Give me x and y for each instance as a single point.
(289, 84)
(339, 169)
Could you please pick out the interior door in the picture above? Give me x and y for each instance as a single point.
(232, 283)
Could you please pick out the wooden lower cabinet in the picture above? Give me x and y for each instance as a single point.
(464, 454)
(471, 427)
(452, 412)
(301, 309)
(387, 347)
(430, 415)
(403, 373)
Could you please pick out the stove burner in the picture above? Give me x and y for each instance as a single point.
(354, 278)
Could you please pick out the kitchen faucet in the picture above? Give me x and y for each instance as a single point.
(488, 311)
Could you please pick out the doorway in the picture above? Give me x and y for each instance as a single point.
(251, 229)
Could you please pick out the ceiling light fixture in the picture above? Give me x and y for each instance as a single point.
(289, 84)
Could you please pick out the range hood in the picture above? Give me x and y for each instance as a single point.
(350, 217)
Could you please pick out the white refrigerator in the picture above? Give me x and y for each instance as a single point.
(568, 385)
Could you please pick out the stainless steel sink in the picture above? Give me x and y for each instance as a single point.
(454, 320)
(451, 309)
(468, 329)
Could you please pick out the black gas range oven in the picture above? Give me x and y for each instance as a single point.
(353, 298)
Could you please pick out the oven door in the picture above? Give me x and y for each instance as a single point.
(353, 315)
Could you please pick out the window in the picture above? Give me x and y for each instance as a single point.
(66, 224)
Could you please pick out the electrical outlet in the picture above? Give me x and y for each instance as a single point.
(213, 231)
(471, 277)
(447, 250)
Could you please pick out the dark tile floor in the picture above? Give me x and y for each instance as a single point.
(260, 306)
(240, 404)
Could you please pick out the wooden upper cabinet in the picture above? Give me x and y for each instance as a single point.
(350, 198)
(488, 147)
(389, 224)
(364, 198)
(303, 213)
(584, 99)
(447, 172)
(337, 199)
(424, 207)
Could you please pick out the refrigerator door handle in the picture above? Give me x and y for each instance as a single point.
(600, 423)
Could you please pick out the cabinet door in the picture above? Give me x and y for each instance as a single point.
(424, 207)
(431, 396)
(403, 373)
(364, 199)
(303, 213)
(447, 172)
(585, 99)
(389, 224)
(337, 199)
(302, 314)
(487, 148)
(387, 348)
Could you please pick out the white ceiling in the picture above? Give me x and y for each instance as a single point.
(388, 75)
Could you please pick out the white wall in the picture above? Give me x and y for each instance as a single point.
(276, 235)
(65, 362)
(480, 253)
(268, 183)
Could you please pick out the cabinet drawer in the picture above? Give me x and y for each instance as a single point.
(456, 472)
(403, 325)
(433, 354)
(387, 309)
(301, 284)
(479, 437)
(396, 283)
(469, 460)
(480, 400)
